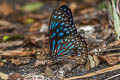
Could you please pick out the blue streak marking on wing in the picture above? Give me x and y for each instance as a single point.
(61, 34)
(61, 27)
(57, 30)
(53, 25)
(65, 29)
(60, 52)
(71, 47)
(61, 8)
(68, 45)
(63, 45)
(79, 47)
(59, 17)
(62, 23)
(59, 47)
(59, 41)
(54, 17)
(66, 25)
(57, 24)
(73, 40)
(65, 9)
(66, 52)
(53, 46)
(67, 32)
(53, 35)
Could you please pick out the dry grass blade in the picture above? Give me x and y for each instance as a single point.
(95, 73)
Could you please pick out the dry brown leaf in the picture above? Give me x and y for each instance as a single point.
(16, 53)
(3, 76)
(43, 15)
(91, 1)
(5, 23)
(44, 28)
(37, 63)
(21, 60)
(87, 66)
(93, 61)
(119, 59)
(73, 6)
(35, 27)
(114, 44)
(5, 9)
(111, 60)
(15, 76)
(49, 72)
(11, 43)
(16, 61)
(88, 10)
(1, 64)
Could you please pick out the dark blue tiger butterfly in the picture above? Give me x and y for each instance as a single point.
(63, 37)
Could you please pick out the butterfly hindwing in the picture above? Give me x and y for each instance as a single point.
(72, 45)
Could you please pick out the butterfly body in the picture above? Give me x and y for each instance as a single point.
(65, 42)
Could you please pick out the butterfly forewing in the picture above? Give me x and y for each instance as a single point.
(64, 39)
(61, 25)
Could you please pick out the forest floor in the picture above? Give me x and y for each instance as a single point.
(24, 40)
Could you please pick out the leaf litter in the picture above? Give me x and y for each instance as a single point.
(27, 58)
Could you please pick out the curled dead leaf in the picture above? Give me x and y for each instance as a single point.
(73, 6)
(15, 76)
(5, 9)
(35, 27)
(5, 23)
(21, 60)
(89, 10)
(111, 60)
(44, 28)
(3, 76)
(49, 72)
(93, 61)
(1, 64)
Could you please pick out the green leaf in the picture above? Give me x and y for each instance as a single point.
(5, 38)
(33, 6)
(29, 20)
(101, 5)
(12, 37)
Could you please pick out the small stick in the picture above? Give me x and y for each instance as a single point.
(115, 67)
(112, 77)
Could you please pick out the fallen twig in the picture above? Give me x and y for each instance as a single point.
(115, 67)
(112, 77)
(16, 53)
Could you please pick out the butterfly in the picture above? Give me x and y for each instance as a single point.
(64, 40)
